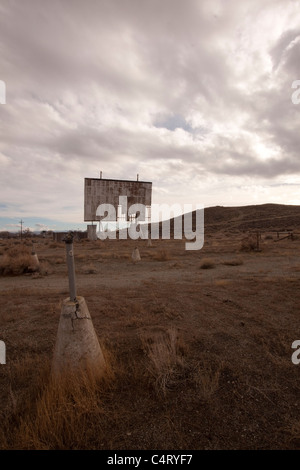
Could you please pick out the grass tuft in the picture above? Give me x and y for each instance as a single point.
(207, 263)
(162, 255)
(166, 362)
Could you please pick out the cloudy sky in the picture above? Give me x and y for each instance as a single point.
(193, 95)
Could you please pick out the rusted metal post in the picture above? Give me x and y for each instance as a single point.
(70, 263)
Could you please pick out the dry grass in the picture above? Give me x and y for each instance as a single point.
(222, 282)
(169, 365)
(233, 262)
(292, 431)
(80, 257)
(45, 268)
(89, 269)
(189, 349)
(248, 243)
(166, 362)
(65, 413)
(107, 255)
(206, 376)
(56, 245)
(59, 260)
(17, 260)
(61, 412)
(162, 255)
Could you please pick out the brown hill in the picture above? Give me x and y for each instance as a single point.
(261, 217)
(265, 217)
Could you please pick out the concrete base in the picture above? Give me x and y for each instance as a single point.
(136, 255)
(77, 345)
(34, 263)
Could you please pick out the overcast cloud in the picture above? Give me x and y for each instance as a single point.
(193, 95)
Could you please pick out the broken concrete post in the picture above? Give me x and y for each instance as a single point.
(34, 262)
(77, 346)
(136, 255)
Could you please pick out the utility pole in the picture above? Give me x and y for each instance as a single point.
(21, 222)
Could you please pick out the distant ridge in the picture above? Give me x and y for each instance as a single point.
(263, 216)
(277, 217)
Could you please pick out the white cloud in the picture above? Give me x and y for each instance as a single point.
(183, 93)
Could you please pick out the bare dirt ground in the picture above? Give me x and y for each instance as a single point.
(198, 345)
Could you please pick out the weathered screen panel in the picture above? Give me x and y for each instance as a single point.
(107, 191)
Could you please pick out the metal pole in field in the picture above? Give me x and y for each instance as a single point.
(70, 263)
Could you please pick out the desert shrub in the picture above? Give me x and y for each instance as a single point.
(248, 243)
(89, 269)
(17, 260)
(45, 268)
(207, 263)
(162, 255)
(14, 251)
